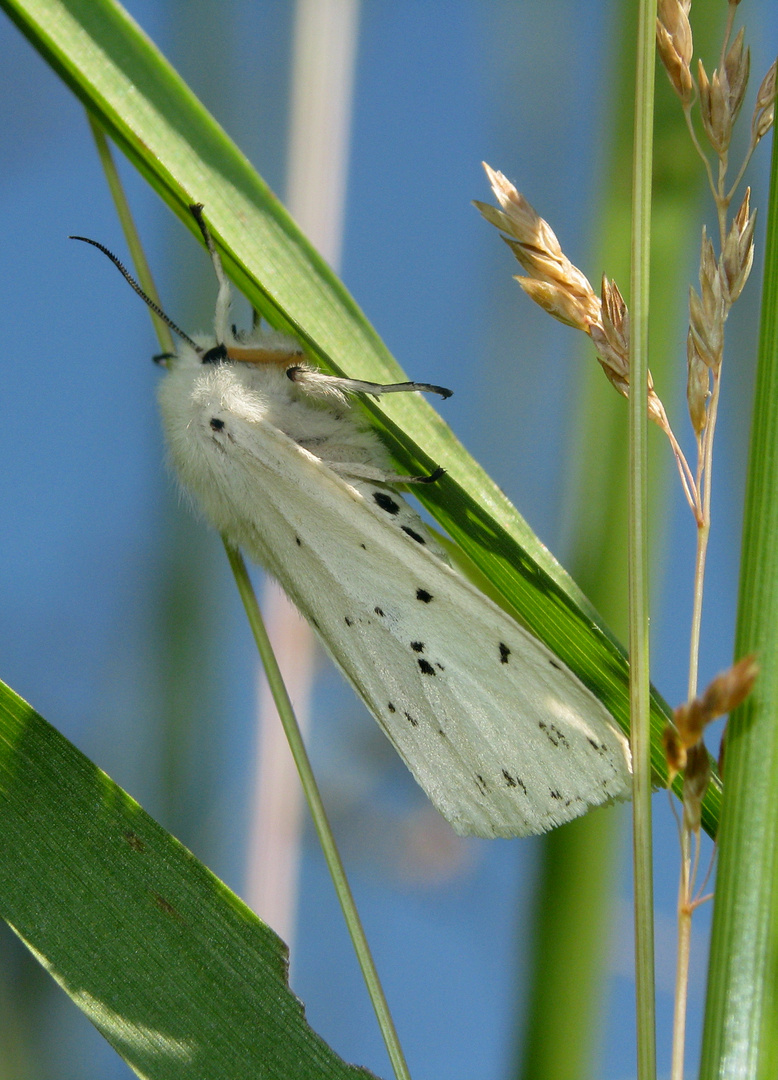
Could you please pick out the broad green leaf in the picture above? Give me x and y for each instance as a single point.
(174, 970)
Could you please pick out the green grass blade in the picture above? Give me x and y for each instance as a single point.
(185, 155)
(169, 965)
(640, 735)
(740, 1036)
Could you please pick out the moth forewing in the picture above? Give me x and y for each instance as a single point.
(504, 739)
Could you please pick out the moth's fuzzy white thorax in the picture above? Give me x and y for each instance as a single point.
(263, 394)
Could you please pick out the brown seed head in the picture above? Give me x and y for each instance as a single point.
(725, 692)
(560, 288)
(675, 45)
(708, 310)
(764, 110)
(675, 753)
(614, 363)
(556, 301)
(738, 254)
(737, 67)
(731, 687)
(551, 279)
(715, 112)
(696, 778)
(707, 338)
(765, 95)
(697, 385)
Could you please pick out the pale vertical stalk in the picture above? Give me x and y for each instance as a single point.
(320, 120)
(638, 547)
(683, 953)
(313, 798)
(687, 878)
(740, 1037)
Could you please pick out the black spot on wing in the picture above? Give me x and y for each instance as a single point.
(413, 535)
(216, 423)
(411, 719)
(379, 611)
(554, 664)
(425, 667)
(482, 785)
(554, 794)
(386, 502)
(505, 652)
(298, 541)
(554, 735)
(348, 621)
(417, 646)
(514, 781)
(424, 596)
(391, 707)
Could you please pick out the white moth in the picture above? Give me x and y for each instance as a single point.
(503, 738)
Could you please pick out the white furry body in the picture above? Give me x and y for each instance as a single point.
(504, 739)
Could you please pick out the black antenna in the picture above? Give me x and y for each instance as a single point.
(144, 297)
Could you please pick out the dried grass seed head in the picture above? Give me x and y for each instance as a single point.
(675, 45)
(714, 109)
(708, 309)
(728, 690)
(764, 110)
(737, 256)
(551, 279)
(696, 778)
(697, 386)
(737, 68)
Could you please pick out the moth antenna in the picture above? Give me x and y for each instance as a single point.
(144, 296)
(224, 296)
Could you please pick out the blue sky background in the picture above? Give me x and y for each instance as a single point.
(89, 549)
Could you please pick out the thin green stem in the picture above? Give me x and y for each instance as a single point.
(741, 172)
(688, 482)
(687, 112)
(142, 268)
(638, 547)
(703, 533)
(318, 813)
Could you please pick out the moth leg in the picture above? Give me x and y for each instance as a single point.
(224, 296)
(316, 382)
(357, 471)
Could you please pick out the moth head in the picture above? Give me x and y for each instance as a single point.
(225, 346)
